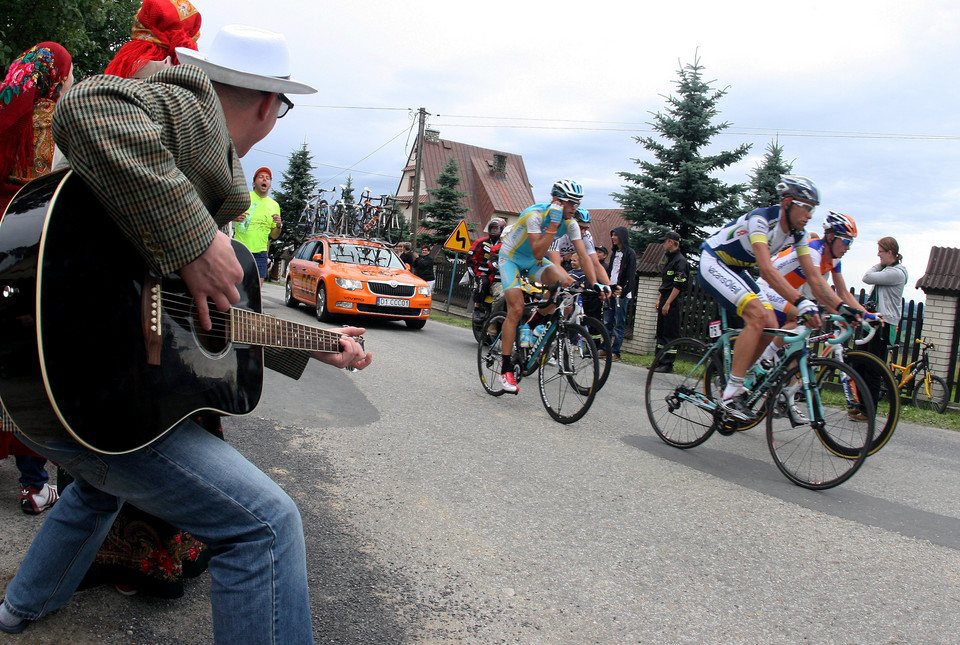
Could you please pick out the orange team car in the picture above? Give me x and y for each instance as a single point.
(358, 277)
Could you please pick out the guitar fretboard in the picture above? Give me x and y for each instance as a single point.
(258, 329)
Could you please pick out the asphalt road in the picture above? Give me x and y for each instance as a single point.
(435, 513)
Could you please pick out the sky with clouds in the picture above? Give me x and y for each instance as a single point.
(862, 95)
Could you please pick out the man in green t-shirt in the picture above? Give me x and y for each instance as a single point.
(261, 223)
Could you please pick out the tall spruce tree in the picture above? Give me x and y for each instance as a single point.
(296, 187)
(766, 176)
(677, 190)
(444, 212)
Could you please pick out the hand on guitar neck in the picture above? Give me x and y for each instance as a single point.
(352, 356)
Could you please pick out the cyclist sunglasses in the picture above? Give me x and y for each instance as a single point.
(807, 207)
(847, 241)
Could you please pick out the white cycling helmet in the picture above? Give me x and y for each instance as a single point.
(799, 188)
(567, 190)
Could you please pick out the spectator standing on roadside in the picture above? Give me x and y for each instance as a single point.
(423, 266)
(888, 279)
(261, 223)
(406, 256)
(673, 282)
(34, 82)
(623, 266)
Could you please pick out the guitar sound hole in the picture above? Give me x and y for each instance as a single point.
(213, 342)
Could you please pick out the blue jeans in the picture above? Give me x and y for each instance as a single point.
(33, 470)
(615, 320)
(200, 484)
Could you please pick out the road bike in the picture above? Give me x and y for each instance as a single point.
(564, 356)
(873, 370)
(381, 221)
(804, 400)
(930, 391)
(316, 216)
(601, 337)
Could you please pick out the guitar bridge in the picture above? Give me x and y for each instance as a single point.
(150, 316)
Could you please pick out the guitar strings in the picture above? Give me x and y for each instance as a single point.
(220, 322)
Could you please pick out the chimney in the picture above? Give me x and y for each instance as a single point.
(499, 164)
(431, 136)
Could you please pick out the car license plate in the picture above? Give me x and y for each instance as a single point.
(392, 302)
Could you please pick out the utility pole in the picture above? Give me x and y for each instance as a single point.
(415, 224)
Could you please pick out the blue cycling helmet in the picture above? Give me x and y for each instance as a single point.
(798, 187)
(567, 190)
(582, 215)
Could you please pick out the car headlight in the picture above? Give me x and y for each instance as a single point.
(424, 291)
(349, 285)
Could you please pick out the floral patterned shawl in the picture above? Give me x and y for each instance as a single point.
(32, 85)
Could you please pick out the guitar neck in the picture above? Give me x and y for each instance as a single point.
(253, 328)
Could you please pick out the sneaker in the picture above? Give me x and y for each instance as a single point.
(615, 358)
(509, 383)
(856, 415)
(34, 501)
(124, 590)
(736, 407)
(663, 368)
(797, 417)
(14, 629)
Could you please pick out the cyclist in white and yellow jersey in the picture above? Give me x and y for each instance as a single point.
(839, 231)
(753, 240)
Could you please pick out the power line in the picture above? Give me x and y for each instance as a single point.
(739, 130)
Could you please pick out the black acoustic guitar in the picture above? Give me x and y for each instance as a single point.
(94, 349)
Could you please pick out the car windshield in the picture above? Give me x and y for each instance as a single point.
(371, 256)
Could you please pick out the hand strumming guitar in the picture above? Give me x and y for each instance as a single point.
(214, 275)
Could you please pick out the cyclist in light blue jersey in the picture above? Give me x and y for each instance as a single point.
(524, 247)
(749, 241)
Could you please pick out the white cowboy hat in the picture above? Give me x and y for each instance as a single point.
(247, 57)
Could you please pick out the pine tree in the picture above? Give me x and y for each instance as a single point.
(444, 211)
(347, 191)
(677, 191)
(766, 176)
(296, 187)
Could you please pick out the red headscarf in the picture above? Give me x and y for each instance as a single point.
(158, 29)
(35, 75)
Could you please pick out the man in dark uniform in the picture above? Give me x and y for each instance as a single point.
(673, 282)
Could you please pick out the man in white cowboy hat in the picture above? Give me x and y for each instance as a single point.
(162, 154)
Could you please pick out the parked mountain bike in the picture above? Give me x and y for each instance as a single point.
(804, 399)
(564, 355)
(930, 391)
(872, 369)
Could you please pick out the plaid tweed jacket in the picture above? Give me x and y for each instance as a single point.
(158, 154)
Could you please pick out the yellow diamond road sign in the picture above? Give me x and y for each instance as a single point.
(459, 240)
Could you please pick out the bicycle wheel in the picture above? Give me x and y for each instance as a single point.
(872, 369)
(678, 406)
(569, 370)
(936, 399)
(392, 231)
(490, 356)
(819, 446)
(601, 338)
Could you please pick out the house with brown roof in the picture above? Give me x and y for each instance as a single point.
(495, 182)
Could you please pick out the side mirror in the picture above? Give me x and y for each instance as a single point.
(318, 258)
